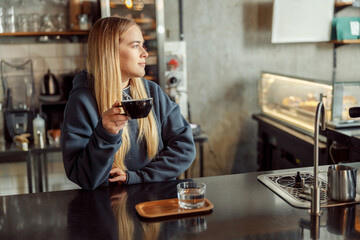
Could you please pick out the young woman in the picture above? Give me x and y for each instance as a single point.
(99, 145)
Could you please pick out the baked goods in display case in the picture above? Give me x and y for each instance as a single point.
(294, 100)
(309, 105)
(291, 101)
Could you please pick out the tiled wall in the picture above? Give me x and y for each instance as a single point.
(60, 58)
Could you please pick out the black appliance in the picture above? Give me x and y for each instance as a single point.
(50, 88)
(67, 84)
(53, 113)
(18, 90)
(17, 122)
(50, 85)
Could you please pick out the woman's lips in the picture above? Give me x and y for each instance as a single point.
(142, 64)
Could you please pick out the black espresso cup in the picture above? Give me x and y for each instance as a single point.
(136, 108)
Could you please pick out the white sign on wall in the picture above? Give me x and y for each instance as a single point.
(302, 21)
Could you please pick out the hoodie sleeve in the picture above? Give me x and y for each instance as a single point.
(178, 149)
(88, 149)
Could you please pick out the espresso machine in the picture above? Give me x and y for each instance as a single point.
(17, 94)
(176, 74)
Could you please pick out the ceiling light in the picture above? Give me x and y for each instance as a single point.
(129, 3)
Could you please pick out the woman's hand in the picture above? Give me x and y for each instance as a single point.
(112, 121)
(117, 175)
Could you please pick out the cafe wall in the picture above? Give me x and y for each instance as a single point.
(228, 46)
(60, 58)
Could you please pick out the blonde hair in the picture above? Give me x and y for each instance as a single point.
(103, 63)
(122, 216)
(126, 226)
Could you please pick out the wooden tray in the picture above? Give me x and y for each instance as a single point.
(168, 207)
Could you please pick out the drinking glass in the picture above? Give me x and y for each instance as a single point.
(48, 25)
(23, 23)
(34, 22)
(191, 195)
(60, 22)
(10, 19)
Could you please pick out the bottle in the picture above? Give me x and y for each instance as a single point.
(39, 131)
(74, 11)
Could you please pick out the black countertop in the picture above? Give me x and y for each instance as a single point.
(243, 209)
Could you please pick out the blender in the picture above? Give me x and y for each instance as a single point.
(18, 91)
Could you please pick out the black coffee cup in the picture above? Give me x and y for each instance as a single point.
(136, 108)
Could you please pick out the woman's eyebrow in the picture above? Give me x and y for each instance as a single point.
(136, 41)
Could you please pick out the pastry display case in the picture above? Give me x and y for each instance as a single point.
(294, 100)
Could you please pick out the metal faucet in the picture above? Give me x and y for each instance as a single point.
(315, 191)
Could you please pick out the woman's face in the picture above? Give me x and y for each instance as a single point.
(132, 54)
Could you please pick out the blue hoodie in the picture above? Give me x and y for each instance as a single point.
(88, 149)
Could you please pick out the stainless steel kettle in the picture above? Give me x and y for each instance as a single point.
(50, 85)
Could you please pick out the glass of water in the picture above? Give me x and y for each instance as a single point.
(191, 194)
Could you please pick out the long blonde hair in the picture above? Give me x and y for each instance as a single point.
(103, 63)
(126, 221)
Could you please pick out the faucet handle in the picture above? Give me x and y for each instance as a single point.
(303, 185)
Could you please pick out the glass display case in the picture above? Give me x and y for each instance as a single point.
(294, 100)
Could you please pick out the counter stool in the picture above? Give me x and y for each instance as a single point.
(199, 140)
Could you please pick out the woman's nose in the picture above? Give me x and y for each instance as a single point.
(144, 53)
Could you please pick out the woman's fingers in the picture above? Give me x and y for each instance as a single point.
(112, 120)
(116, 171)
(119, 179)
(116, 104)
(118, 175)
